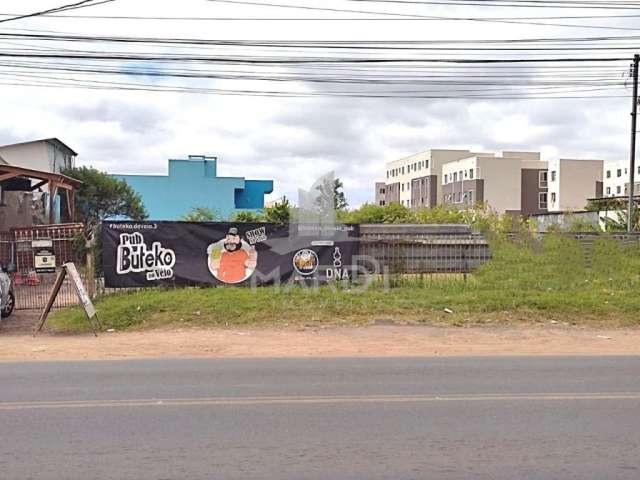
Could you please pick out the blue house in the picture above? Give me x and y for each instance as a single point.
(194, 183)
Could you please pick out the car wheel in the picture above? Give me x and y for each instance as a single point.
(8, 308)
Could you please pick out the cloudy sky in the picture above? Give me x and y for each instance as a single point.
(295, 140)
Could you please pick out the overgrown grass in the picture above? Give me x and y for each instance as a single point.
(525, 281)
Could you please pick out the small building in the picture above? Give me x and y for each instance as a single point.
(32, 189)
(46, 155)
(194, 183)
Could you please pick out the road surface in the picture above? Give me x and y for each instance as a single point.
(453, 418)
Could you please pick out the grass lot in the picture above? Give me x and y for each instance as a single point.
(530, 281)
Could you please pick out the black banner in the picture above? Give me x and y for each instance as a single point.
(146, 254)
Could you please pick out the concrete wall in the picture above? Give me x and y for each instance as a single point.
(16, 210)
(33, 155)
(531, 190)
(424, 192)
(576, 182)
(527, 156)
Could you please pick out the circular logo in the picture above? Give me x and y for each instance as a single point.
(305, 261)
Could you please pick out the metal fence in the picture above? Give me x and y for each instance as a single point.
(418, 249)
(32, 288)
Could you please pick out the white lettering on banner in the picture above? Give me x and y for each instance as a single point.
(133, 255)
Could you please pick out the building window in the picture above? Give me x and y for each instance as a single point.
(638, 170)
(542, 200)
(403, 170)
(608, 173)
(553, 175)
(471, 173)
(618, 189)
(619, 173)
(403, 187)
(470, 196)
(553, 198)
(455, 176)
(542, 179)
(445, 178)
(426, 164)
(608, 190)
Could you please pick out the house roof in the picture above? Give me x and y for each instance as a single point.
(59, 143)
(11, 171)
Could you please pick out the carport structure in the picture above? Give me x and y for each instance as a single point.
(13, 178)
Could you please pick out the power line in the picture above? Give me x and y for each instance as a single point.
(62, 8)
(414, 16)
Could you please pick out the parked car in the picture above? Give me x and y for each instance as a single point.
(7, 295)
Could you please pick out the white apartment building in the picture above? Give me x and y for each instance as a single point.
(615, 178)
(515, 182)
(573, 182)
(414, 181)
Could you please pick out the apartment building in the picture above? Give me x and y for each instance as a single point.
(572, 182)
(615, 178)
(515, 182)
(414, 181)
(381, 190)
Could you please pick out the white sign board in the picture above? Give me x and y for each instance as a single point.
(82, 292)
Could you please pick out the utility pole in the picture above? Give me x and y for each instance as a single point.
(632, 163)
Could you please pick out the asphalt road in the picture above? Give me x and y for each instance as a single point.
(456, 418)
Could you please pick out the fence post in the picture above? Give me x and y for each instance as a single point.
(91, 274)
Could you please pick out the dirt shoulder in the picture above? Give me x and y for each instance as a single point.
(372, 341)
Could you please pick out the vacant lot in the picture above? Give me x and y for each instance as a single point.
(527, 281)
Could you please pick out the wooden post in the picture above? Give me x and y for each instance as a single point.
(52, 298)
(91, 274)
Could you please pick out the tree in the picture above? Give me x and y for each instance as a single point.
(247, 217)
(339, 200)
(279, 213)
(101, 196)
(200, 214)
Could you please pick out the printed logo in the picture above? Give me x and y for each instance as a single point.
(337, 272)
(256, 236)
(133, 255)
(305, 261)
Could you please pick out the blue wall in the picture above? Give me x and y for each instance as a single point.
(194, 183)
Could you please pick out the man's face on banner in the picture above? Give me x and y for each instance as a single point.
(232, 242)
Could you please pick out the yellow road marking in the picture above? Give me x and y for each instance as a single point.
(318, 399)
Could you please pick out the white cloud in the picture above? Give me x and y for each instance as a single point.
(294, 140)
